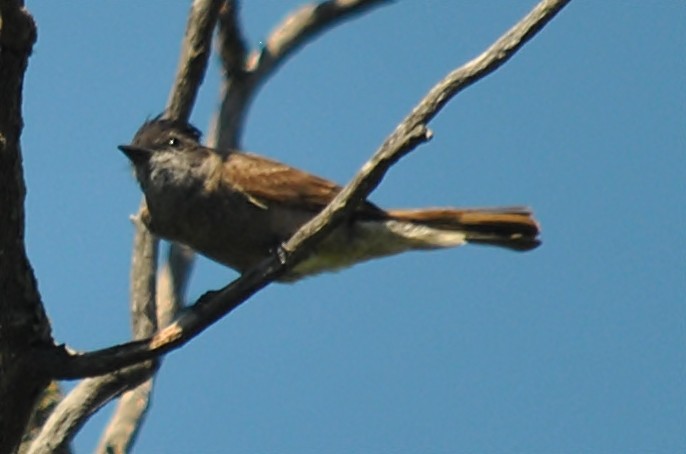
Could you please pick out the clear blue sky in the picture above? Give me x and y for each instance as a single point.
(578, 346)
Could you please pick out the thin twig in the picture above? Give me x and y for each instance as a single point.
(410, 133)
(291, 35)
(302, 27)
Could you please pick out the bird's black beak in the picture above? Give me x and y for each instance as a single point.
(137, 155)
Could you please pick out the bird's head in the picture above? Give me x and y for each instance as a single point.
(164, 151)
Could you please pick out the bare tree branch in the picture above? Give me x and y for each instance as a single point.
(231, 44)
(172, 282)
(91, 394)
(84, 400)
(410, 133)
(123, 428)
(302, 27)
(197, 46)
(143, 271)
(148, 311)
(133, 404)
(296, 30)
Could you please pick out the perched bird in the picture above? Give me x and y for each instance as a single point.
(237, 208)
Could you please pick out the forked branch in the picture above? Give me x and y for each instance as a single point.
(246, 73)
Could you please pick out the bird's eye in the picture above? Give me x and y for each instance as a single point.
(173, 142)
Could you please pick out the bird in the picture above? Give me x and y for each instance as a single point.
(237, 208)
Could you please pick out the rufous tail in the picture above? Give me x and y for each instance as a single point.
(512, 228)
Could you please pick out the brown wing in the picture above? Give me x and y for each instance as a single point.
(268, 182)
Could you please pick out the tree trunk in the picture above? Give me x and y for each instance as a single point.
(23, 324)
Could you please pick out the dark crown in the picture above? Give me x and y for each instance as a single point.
(158, 130)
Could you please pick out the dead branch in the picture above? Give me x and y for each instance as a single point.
(245, 74)
(84, 400)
